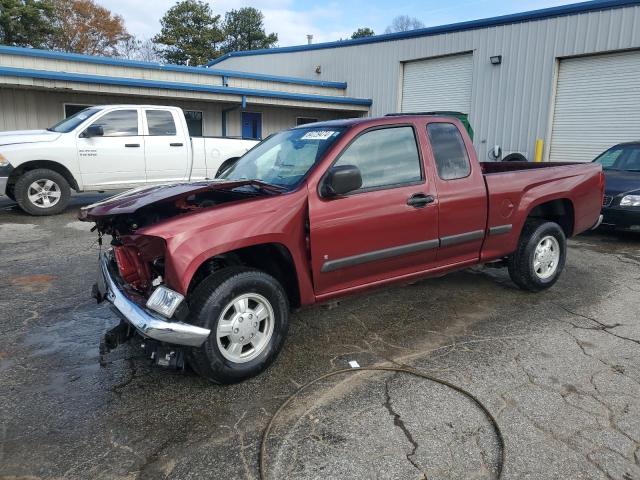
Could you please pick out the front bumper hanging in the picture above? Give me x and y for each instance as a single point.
(131, 308)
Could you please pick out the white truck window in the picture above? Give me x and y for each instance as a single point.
(120, 123)
(160, 123)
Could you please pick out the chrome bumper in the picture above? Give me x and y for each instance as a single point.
(598, 223)
(149, 324)
(3, 185)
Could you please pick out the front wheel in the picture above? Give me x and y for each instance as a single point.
(540, 256)
(42, 192)
(247, 312)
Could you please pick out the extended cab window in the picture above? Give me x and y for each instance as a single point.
(120, 123)
(160, 123)
(449, 151)
(385, 157)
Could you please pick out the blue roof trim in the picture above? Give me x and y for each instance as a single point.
(544, 13)
(76, 57)
(191, 87)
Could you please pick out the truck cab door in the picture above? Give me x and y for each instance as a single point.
(166, 146)
(462, 194)
(388, 228)
(111, 154)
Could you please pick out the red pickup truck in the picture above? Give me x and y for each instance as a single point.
(208, 272)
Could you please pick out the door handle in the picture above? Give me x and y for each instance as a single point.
(176, 144)
(419, 200)
(131, 145)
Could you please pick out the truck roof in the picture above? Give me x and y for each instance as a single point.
(348, 122)
(130, 105)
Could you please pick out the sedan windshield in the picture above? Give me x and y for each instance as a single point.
(285, 158)
(68, 124)
(621, 157)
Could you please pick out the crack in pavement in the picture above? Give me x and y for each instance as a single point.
(601, 326)
(398, 422)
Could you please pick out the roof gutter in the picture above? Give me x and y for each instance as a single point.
(190, 87)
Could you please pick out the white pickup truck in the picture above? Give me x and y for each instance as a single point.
(107, 147)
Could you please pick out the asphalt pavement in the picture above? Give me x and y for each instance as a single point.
(560, 370)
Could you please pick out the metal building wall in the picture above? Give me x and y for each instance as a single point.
(511, 103)
(24, 109)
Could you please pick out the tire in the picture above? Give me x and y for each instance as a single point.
(212, 306)
(54, 187)
(514, 157)
(539, 240)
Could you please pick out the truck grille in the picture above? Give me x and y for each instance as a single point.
(606, 201)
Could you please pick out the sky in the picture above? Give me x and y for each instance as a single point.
(331, 20)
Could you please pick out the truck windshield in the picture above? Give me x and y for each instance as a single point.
(68, 124)
(285, 158)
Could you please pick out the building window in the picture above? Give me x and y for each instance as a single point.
(305, 120)
(70, 109)
(194, 122)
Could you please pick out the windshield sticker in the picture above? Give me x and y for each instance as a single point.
(318, 135)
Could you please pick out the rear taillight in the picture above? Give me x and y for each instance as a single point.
(131, 267)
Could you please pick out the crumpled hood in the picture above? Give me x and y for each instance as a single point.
(27, 136)
(129, 202)
(621, 181)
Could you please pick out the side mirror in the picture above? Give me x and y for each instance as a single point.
(93, 131)
(342, 179)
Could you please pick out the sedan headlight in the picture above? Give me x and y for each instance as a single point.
(3, 161)
(630, 201)
(164, 301)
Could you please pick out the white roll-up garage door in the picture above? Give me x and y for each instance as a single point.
(597, 105)
(442, 83)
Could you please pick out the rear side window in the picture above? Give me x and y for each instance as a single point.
(449, 151)
(385, 157)
(120, 123)
(160, 123)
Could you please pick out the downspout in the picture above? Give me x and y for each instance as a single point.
(224, 112)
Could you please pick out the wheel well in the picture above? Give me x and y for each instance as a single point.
(271, 258)
(34, 164)
(559, 211)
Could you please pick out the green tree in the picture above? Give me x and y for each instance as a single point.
(25, 23)
(244, 30)
(190, 33)
(363, 32)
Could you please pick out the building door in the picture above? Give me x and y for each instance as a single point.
(251, 126)
(442, 83)
(596, 105)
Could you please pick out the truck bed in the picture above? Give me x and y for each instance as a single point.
(515, 188)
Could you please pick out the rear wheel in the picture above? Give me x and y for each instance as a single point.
(247, 312)
(540, 257)
(42, 192)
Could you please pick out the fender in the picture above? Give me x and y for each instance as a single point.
(196, 238)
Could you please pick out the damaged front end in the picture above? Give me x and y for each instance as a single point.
(132, 273)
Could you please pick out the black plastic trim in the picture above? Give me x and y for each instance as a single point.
(450, 240)
(500, 229)
(6, 170)
(345, 262)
